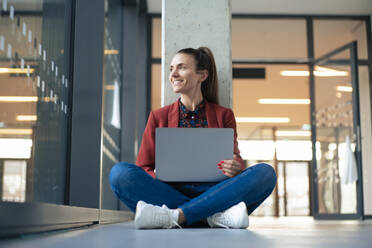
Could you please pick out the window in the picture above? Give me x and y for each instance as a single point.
(35, 100)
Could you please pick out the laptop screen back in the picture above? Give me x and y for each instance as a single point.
(192, 154)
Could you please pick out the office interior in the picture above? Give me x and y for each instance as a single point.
(79, 79)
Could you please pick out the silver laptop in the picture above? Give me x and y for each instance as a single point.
(192, 154)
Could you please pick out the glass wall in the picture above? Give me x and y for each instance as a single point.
(267, 97)
(112, 81)
(156, 68)
(58, 140)
(155, 86)
(331, 34)
(34, 100)
(336, 167)
(269, 38)
(273, 127)
(156, 38)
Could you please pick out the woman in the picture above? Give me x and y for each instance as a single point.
(225, 204)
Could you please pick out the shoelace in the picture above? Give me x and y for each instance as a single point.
(216, 219)
(169, 215)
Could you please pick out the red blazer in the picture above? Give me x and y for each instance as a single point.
(168, 116)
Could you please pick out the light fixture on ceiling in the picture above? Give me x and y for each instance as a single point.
(294, 73)
(16, 70)
(111, 52)
(319, 72)
(344, 88)
(293, 133)
(18, 99)
(262, 119)
(331, 73)
(109, 87)
(26, 117)
(283, 101)
(16, 131)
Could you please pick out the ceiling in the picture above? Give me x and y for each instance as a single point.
(293, 7)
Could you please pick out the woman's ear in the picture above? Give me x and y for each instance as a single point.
(204, 75)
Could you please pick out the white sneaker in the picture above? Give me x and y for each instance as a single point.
(234, 217)
(150, 216)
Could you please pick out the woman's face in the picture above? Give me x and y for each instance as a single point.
(183, 75)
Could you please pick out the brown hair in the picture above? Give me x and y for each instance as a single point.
(205, 61)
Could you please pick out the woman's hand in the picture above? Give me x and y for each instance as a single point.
(230, 168)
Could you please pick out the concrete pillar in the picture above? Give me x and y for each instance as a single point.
(195, 23)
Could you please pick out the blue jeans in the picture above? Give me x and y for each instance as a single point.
(198, 201)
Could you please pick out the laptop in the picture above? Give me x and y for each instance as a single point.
(192, 154)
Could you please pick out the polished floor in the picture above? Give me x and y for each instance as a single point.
(263, 232)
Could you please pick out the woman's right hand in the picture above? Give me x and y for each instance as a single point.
(230, 167)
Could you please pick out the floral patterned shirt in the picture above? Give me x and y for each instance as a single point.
(196, 118)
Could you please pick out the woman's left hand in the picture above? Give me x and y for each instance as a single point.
(230, 168)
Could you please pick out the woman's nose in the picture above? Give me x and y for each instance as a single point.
(174, 73)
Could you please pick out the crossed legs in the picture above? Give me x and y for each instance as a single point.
(131, 184)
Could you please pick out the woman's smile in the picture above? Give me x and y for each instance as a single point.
(177, 82)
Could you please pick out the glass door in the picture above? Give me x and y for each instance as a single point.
(337, 180)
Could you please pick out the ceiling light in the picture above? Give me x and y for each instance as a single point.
(18, 98)
(283, 101)
(330, 73)
(294, 73)
(26, 118)
(344, 88)
(110, 87)
(293, 133)
(16, 70)
(111, 52)
(16, 131)
(320, 72)
(262, 119)
(322, 68)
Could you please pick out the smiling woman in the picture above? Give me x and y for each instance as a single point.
(221, 204)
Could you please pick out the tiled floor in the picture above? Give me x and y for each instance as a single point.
(263, 232)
